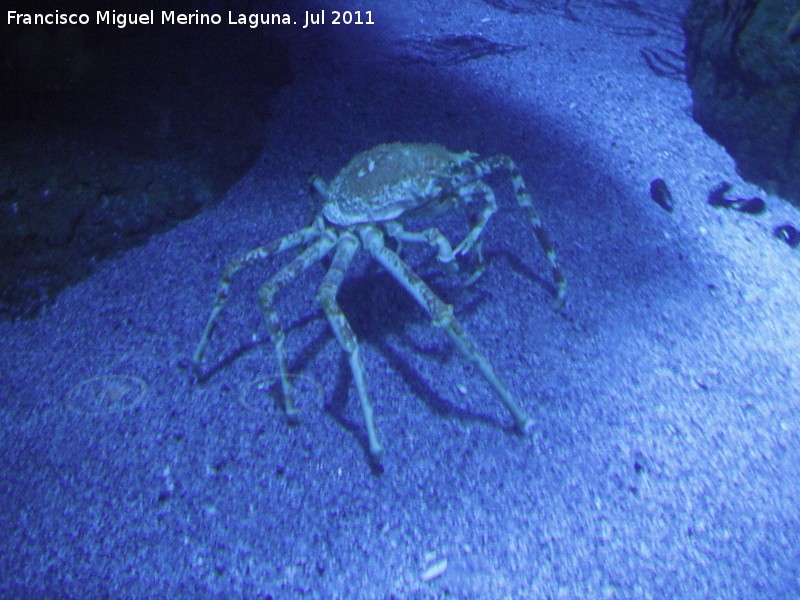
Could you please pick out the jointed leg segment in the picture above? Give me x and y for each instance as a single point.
(489, 208)
(346, 248)
(311, 255)
(479, 170)
(432, 237)
(442, 316)
(293, 240)
(478, 223)
(266, 296)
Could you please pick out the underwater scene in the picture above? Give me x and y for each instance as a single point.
(400, 299)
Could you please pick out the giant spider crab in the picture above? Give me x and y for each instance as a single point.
(363, 205)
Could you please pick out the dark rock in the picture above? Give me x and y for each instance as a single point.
(744, 71)
(111, 135)
(661, 195)
(718, 198)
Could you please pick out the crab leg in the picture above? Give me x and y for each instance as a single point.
(266, 295)
(442, 316)
(489, 208)
(293, 240)
(501, 162)
(472, 239)
(346, 248)
(433, 237)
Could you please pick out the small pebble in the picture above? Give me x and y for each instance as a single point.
(788, 234)
(434, 571)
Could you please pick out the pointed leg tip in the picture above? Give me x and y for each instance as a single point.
(525, 426)
(376, 456)
(559, 303)
(196, 373)
(292, 416)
